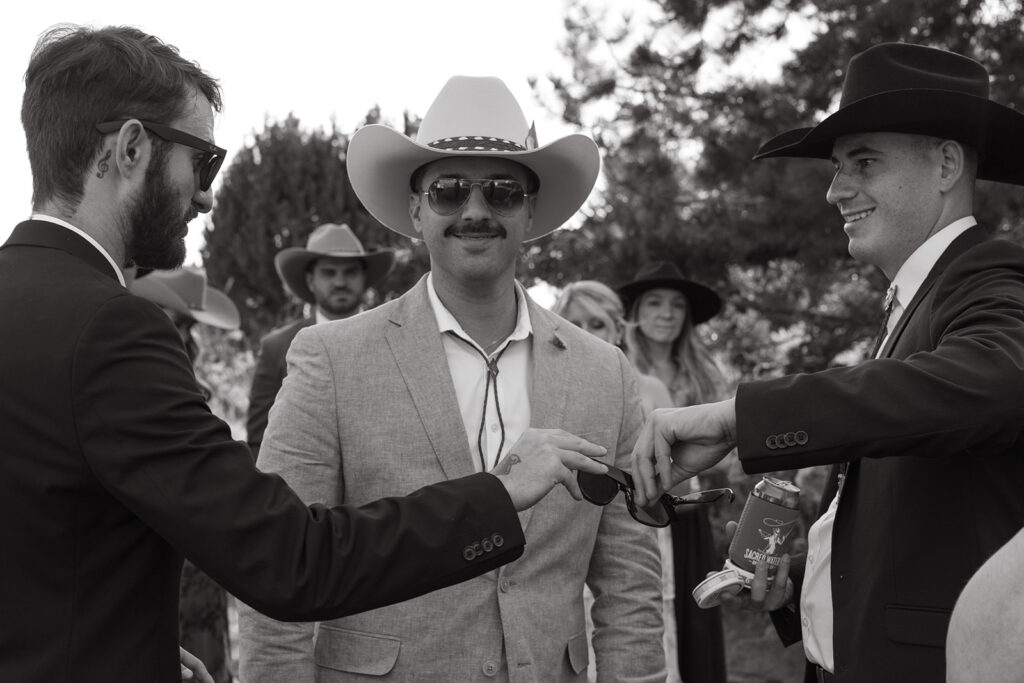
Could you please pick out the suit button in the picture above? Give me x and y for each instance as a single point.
(790, 439)
(469, 553)
(490, 668)
(801, 437)
(487, 544)
(771, 442)
(503, 584)
(498, 540)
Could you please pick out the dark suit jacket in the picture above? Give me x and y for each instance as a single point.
(268, 377)
(112, 467)
(934, 433)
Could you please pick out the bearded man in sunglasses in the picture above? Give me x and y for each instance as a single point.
(466, 373)
(111, 465)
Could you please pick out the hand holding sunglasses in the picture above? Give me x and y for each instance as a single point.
(601, 489)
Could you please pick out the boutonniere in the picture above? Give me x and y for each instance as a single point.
(557, 342)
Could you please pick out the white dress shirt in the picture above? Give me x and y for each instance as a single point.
(87, 238)
(508, 399)
(816, 612)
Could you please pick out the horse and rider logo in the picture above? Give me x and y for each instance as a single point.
(776, 538)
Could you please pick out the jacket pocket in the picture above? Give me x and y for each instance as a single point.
(917, 625)
(579, 655)
(356, 652)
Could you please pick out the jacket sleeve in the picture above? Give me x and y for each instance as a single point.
(266, 382)
(152, 442)
(963, 392)
(625, 570)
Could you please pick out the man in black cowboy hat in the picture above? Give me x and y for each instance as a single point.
(332, 274)
(926, 438)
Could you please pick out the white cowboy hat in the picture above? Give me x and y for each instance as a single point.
(332, 241)
(185, 291)
(471, 117)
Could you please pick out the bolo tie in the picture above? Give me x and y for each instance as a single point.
(492, 378)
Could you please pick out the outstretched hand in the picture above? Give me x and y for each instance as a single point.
(542, 459)
(678, 443)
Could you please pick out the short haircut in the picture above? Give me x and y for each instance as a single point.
(79, 76)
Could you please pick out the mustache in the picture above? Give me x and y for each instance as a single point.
(485, 228)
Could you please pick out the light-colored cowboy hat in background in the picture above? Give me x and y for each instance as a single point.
(331, 241)
(904, 88)
(185, 291)
(471, 117)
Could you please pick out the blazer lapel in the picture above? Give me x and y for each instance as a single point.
(53, 236)
(415, 342)
(969, 238)
(549, 368)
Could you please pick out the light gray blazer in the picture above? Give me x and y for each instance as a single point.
(367, 410)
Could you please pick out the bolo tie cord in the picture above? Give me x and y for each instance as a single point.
(492, 376)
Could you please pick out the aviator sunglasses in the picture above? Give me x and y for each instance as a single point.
(448, 195)
(213, 156)
(601, 489)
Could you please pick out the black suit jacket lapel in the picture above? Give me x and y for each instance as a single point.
(53, 236)
(969, 238)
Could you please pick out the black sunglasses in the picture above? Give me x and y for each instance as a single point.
(448, 195)
(213, 156)
(601, 489)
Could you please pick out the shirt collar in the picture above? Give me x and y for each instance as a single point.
(86, 237)
(915, 269)
(446, 322)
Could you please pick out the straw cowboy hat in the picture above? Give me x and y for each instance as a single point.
(330, 241)
(902, 88)
(703, 302)
(185, 291)
(475, 117)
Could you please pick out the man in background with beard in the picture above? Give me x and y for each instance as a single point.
(111, 465)
(332, 273)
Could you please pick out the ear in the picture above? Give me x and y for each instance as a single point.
(952, 158)
(133, 151)
(415, 206)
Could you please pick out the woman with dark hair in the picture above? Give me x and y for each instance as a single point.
(664, 309)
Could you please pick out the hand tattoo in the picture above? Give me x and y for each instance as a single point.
(505, 466)
(103, 166)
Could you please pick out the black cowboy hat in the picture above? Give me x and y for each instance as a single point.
(704, 303)
(902, 88)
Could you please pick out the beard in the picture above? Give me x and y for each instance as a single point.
(341, 309)
(155, 221)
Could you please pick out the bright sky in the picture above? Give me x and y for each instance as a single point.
(316, 60)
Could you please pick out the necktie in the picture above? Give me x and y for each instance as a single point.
(890, 300)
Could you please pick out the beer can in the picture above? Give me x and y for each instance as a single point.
(766, 527)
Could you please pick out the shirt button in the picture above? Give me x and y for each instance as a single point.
(810, 558)
(504, 584)
(490, 668)
(494, 428)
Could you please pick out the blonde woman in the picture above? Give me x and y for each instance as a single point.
(664, 309)
(597, 309)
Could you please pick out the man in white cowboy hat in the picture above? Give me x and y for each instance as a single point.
(926, 438)
(460, 372)
(332, 274)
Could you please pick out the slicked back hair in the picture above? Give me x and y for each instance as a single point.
(79, 76)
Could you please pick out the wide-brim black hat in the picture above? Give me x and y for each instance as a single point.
(703, 302)
(903, 88)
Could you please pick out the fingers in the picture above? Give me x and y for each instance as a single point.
(567, 480)
(575, 461)
(777, 596)
(571, 442)
(730, 530)
(643, 467)
(759, 586)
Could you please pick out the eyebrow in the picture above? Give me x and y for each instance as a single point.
(857, 151)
